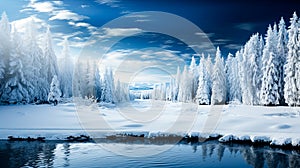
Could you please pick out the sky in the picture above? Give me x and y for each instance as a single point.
(122, 35)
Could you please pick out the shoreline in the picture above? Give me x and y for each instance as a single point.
(130, 138)
(273, 126)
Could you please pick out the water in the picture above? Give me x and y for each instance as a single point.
(208, 154)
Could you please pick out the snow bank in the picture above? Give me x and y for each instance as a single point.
(273, 125)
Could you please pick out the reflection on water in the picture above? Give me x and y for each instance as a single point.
(35, 154)
(208, 154)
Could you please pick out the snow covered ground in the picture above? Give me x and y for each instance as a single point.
(278, 125)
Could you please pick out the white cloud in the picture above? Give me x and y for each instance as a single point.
(58, 3)
(82, 24)
(41, 6)
(233, 46)
(84, 6)
(222, 40)
(79, 24)
(117, 32)
(62, 35)
(111, 3)
(67, 15)
(246, 26)
(81, 44)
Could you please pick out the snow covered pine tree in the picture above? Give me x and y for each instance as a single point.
(55, 93)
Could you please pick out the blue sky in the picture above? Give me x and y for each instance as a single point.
(227, 24)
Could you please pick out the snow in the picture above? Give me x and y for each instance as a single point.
(278, 125)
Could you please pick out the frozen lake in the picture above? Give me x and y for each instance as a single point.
(208, 154)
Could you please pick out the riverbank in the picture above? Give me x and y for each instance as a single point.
(276, 126)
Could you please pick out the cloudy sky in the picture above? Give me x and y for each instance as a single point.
(133, 46)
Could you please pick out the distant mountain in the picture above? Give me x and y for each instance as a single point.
(141, 86)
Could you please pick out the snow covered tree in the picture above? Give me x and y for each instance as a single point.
(78, 84)
(269, 90)
(5, 48)
(121, 92)
(185, 89)
(107, 91)
(209, 69)
(50, 57)
(255, 57)
(194, 76)
(251, 70)
(97, 83)
(66, 71)
(202, 97)
(292, 76)
(170, 90)
(282, 54)
(34, 60)
(90, 79)
(270, 46)
(16, 86)
(156, 92)
(233, 81)
(176, 85)
(219, 80)
(55, 93)
(241, 72)
(159, 91)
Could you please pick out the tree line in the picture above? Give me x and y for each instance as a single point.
(263, 72)
(30, 72)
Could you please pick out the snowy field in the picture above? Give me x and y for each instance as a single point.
(153, 118)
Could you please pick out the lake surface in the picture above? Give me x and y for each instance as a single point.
(208, 154)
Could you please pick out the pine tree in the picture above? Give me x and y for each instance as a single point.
(241, 73)
(282, 54)
(97, 83)
(292, 77)
(50, 57)
(194, 76)
(79, 85)
(107, 91)
(90, 79)
(233, 81)
(270, 46)
(271, 67)
(219, 80)
(176, 85)
(255, 64)
(251, 71)
(66, 71)
(209, 69)
(125, 92)
(55, 93)
(118, 92)
(202, 96)
(15, 90)
(185, 89)
(269, 90)
(5, 49)
(34, 60)
(171, 90)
